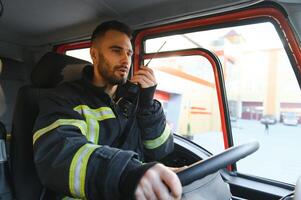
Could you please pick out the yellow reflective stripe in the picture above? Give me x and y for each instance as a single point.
(99, 114)
(60, 122)
(92, 117)
(152, 144)
(69, 198)
(93, 130)
(78, 168)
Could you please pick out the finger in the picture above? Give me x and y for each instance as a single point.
(143, 81)
(160, 189)
(175, 169)
(173, 183)
(178, 169)
(152, 79)
(147, 189)
(140, 79)
(146, 76)
(139, 194)
(147, 72)
(150, 70)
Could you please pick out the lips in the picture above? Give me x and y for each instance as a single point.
(122, 69)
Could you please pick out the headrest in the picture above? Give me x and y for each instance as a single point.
(54, 68)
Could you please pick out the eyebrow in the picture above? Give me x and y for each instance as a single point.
(119, 47)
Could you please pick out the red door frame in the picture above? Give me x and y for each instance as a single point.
(72, 46)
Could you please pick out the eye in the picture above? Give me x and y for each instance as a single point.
(129, 53)
(116, 50)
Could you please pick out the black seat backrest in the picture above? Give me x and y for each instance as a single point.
(13, 75)
(51, 70)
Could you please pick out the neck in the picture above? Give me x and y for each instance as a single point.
(108, 88)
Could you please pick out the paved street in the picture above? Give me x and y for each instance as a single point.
(278, 157)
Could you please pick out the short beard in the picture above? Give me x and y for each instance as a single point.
(104, 70)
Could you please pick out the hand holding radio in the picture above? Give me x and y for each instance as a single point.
(147, 83)
(144, 77)
(140, 89)
(139, 92)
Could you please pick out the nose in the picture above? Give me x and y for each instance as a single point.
(126, 59)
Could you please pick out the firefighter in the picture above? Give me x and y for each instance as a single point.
(94, 135)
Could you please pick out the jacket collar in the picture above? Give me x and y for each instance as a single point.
(87, 76)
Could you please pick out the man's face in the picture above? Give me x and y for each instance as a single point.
(114, 52)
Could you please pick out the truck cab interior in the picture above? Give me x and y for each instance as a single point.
(214, 83)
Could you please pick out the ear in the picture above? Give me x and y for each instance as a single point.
(94, 55)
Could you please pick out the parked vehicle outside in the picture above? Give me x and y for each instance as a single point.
(290, 119)
(268, 119)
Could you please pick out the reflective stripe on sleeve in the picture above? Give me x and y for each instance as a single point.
(92, 117)
(60, 122)
(69, 198)
(78, 168)
(152, 144)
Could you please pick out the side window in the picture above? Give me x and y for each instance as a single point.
(263, 95)
(80, 53)
(191, 108)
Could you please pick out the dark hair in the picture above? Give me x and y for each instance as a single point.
(101, 29)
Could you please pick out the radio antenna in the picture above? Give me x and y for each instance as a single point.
(155, 54)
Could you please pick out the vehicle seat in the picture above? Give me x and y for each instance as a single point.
(13, 75)
(50, 71)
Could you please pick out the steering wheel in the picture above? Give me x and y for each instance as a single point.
(298, 189)
(212, 164)
(296, 195)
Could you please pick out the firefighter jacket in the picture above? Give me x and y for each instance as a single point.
(83, 142)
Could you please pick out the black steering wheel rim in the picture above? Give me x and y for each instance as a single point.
(214, 163)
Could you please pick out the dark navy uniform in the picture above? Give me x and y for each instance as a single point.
(85, 146)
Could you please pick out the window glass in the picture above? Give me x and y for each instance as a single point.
(80, 53)
(190, 99)
(263, 95)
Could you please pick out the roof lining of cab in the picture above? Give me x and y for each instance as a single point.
(81, 18)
